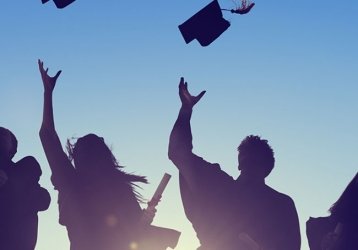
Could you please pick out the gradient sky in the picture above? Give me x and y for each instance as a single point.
(287, 71)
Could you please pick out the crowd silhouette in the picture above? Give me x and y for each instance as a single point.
(100, 206)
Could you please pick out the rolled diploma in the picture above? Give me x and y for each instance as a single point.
(160, 189)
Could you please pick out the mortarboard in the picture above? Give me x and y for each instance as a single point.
(205, 26)
(60, 3)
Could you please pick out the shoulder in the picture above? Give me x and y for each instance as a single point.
(214, 170)
(27, 160)
(29, 164)
(279, 197)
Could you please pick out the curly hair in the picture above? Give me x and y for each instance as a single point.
(258, 152)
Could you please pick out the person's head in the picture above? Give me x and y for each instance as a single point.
(28, 170)
(92, 157)
(256, 157)
(346, 207)
(8, 144)
(91, 154)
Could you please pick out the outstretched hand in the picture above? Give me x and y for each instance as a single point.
(48, 81)
(186, 98)
(148, 215)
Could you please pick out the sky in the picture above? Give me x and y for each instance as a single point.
(287, 71)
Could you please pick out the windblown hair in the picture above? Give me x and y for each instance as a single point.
(258, 151)
(346, 207)
(97, 147)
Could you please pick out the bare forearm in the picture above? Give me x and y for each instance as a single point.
(48, 119)
(48, 135)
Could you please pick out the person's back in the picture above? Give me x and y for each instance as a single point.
(98, 215)
(226, 208)
(267, 216)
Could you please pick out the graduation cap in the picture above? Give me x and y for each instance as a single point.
(60, 3)
(205, 26)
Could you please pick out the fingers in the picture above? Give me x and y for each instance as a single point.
(43, 71)
(183, 86)
(184, 92)
(57, 75)
(181, 83)
(41, 65)
(201, 94)
(198, 97)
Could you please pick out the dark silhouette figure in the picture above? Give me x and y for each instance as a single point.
(230, 214)
(339, 231)
(60, 4)
(97, 200)
(21, 196)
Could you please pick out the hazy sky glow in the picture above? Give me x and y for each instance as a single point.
(287, 71)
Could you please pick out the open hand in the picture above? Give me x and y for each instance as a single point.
(186, 98)
(48, 81)
(148, 215)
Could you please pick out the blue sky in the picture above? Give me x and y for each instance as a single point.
(287, 71)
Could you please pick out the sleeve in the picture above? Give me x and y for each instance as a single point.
(194, 169)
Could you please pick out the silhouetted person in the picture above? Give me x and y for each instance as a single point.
(97, 201)
(339, 231)
(230, 214)
(21, 196)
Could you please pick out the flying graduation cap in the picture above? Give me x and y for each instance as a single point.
(60, 3)
(208, 24)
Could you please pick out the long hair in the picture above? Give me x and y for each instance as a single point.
(94, 151)
(346, 207)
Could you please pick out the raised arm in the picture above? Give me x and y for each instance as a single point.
(55, 155)
(180, 143)
(49, 83)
